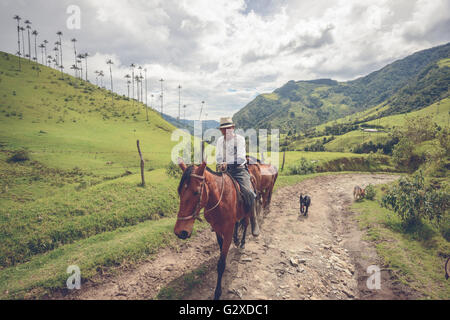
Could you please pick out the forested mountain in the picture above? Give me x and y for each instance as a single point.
(408, 84)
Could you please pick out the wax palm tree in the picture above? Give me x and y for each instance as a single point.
(22, 29)
(19, 54)
(136, 78)
(80, 57)
(28, 27)
(59, 34)
(42, 51)
(110, 63)
(45, 47)
(74, 50)
(140, 73)
(127, 76)
(74, 68)
(96, 77)
(16, 17)
(142, 92)
(55, 49)
(132, 78)
(101, 74)
(49, 60)
(145, 72)
(86, 55)
(35, 34)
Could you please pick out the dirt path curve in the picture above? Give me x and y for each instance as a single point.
(321, 256)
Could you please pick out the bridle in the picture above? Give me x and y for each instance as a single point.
(196, 214)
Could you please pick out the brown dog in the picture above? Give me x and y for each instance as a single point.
(358, 193)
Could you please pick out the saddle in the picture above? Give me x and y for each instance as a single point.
(240, 197)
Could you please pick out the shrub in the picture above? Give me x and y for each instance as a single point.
(412, 200)
(370, 192)
(303, 167)
(19, 156)
(173, 170)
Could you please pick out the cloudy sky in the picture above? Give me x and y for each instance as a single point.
(226, 52)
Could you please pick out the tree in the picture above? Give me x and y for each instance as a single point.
(28, 27)
(80, 57)
(86, 55)
(127, 76)
(45, 48)
(22, 29)
(132, 78)
(75, 51)
(140, 78)
(16, 17)
(35, 34)
(55, 60)
(101, 74)
(59, 34)
(110, 63)
(42, 51)
(137, 87)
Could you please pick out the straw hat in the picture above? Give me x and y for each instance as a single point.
(226, 122)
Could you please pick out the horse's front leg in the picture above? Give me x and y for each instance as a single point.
(221, 264)
(245, 222)
(219, 240)
(235, 234)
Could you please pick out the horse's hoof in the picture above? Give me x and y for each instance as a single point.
(242, 246)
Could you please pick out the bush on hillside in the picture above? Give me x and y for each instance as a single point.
(412, 200)
(173, 170)
(302, 167)
(370, 192)
(19, 156)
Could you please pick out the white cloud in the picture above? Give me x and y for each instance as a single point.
(225, 52)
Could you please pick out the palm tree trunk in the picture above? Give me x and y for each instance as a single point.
(35, 48)
(18, 41)
(29, 46)
(85, 59)
(110, 73)
(23, 44)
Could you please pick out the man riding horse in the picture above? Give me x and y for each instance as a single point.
(231, 156)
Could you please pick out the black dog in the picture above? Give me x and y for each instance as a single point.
(305, 201)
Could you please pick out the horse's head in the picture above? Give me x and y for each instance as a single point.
(193, 198)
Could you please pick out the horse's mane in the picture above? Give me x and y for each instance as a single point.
(185, 178)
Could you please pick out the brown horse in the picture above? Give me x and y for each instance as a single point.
(265, 178)
(200, 188)
(269, 176)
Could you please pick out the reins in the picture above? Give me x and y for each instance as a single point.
(196, 214)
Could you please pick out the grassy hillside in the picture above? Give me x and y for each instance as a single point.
(76, 196)
(439, 113)
(406, 85)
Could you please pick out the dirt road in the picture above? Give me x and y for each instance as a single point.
(321, 256)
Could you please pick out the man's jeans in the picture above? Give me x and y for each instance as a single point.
(243, 178)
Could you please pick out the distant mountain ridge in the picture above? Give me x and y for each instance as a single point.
(189, 124)
(408, 84)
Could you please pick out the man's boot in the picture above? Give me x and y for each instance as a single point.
(254, 221)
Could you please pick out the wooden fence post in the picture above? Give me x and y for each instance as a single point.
(142, 164)
(284, 157)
